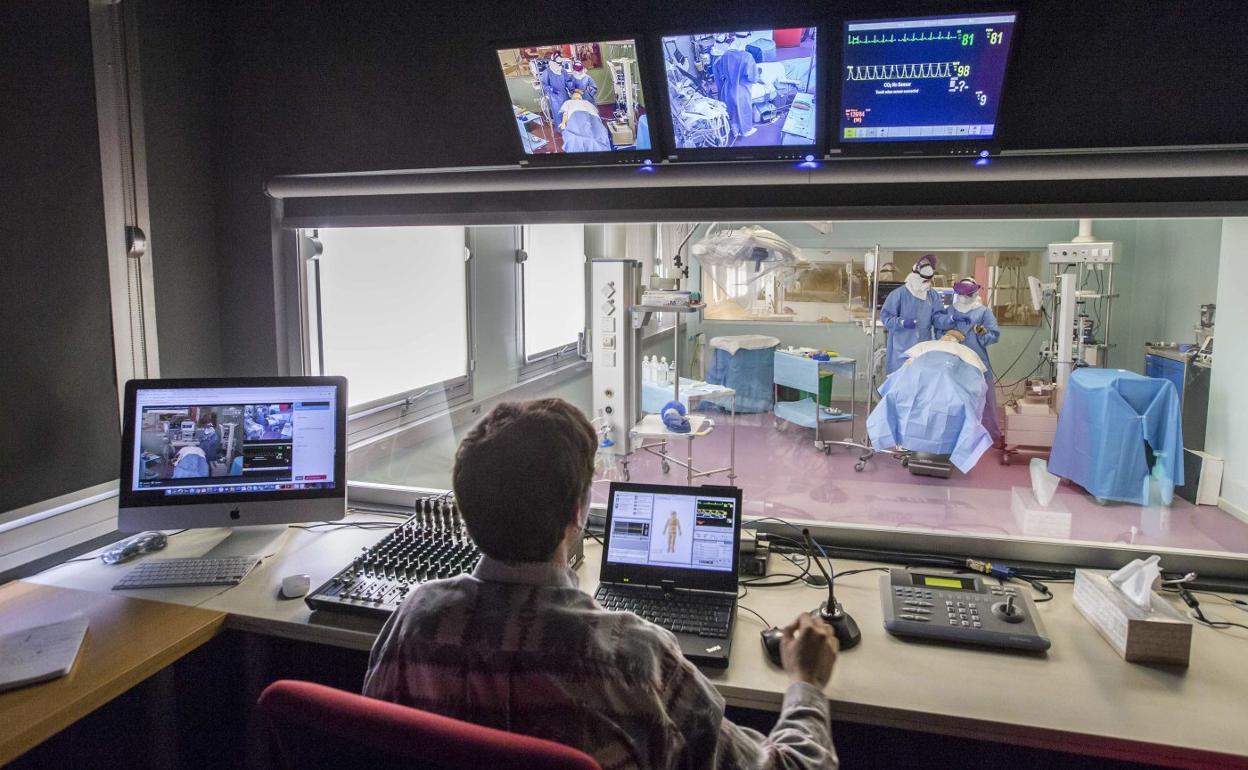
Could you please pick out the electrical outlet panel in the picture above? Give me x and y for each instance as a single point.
(1098, 252)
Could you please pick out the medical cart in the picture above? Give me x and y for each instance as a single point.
(650, 432)
(799, 372)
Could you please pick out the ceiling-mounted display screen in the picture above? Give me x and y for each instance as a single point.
(737, 91)
(577, 98)
(931, 79)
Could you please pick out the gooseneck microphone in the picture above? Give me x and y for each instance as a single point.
(831, 611)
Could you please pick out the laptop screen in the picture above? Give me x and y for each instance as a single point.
(653, 529)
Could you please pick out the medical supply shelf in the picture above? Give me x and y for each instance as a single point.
(799, 372)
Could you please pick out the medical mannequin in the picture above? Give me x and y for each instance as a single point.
(672, 530)
(976, 320)
(577, 102)
(913, 312)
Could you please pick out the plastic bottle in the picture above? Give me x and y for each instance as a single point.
(647, 369)
(663, 371)
(672, 373)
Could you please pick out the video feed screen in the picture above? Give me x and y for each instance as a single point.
(743, 89)
(925, 79)
(577, 97)
(199, 441)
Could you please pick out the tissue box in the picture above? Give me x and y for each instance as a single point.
(1163, 635)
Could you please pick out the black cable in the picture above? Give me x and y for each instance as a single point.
(848, 572)
(589, 534)
(745, 591)
(1045, 318)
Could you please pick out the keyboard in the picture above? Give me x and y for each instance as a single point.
(678, 612)
(166, 573)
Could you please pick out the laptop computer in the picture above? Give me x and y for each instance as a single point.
(670, 554)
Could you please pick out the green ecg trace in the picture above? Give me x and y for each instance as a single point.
(916, 37)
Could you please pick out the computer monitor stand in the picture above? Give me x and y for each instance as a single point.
(260, 540)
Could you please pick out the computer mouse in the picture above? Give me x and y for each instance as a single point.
(771, 643)
(296, 586)
(127, 549)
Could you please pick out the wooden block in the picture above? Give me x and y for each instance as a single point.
(1159, 635)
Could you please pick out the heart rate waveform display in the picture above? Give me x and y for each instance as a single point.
(936, 78)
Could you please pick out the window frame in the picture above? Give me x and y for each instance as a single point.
(398, 410)
(536, 364)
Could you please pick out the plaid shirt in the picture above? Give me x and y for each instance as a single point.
(521, 648)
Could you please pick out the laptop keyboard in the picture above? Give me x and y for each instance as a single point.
(684, 613)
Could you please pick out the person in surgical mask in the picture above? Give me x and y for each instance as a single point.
(555, 84)
(913, 312)
(976, 320)
(580, 79)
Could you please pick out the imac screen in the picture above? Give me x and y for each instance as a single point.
(743, 89)
(577, 97)
(200, 441)
(925, 79)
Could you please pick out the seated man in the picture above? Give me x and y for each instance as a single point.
(517, 646)
(934, 403)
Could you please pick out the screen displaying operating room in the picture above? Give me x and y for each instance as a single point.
(197, 441)
(753, 88)
(577, 97)
(924, 79)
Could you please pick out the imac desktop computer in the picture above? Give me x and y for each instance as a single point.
(232, 452)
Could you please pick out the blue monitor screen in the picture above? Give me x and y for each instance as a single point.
(577, 97)
(937, 78)
(751, 88)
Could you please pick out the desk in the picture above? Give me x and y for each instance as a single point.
(1080, 697)
(128, 640)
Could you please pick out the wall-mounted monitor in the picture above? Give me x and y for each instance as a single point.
(924, 85)
(577, 102)
(743, 94)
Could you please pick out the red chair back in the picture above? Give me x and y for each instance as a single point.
(315, 726)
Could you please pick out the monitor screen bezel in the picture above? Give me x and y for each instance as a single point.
(131, 498)
(610, 158)
(970, 146)
(769, 152)
(683, 577)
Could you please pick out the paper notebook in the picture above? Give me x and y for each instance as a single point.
(40, 653)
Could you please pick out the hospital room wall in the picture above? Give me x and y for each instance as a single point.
(1227, 435)
(1168, 269)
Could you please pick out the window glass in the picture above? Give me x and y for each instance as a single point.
(554, 287)
(393, 308)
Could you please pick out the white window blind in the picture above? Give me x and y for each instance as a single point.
(393, 308)
(554, 287)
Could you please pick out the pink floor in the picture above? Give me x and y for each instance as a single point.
(782, 474)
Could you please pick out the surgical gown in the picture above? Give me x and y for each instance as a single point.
(589, 89)
(734, 71)
(585, 133)
(901, 305)
(555, 84)
(1107, 417)
(643, 133)
(982, 315)
(935, 404)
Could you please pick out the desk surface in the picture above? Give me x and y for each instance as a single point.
(127, 641)
(1079, 697)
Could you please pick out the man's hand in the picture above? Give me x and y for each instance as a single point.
(808, 650)
(980, 329)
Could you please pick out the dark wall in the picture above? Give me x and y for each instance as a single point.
(58, 407)
(175, 57)
(306, 87)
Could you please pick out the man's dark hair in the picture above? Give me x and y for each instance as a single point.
(520, 475)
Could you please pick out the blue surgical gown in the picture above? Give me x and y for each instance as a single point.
(643, 133)
(1107, 416)
(585, 133)
(589, 89)
(555, 84)
(982, 315)
(734, 71)
(901, 305)
(935, 404)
